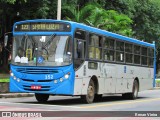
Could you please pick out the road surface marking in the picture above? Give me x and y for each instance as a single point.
(120, 103)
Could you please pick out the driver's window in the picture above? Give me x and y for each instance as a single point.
(79, 47)
(80, 51)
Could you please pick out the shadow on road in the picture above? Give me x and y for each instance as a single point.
(77, 101)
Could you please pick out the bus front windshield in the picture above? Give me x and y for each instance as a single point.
(42, 50)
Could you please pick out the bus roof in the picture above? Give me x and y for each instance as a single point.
(93, 30)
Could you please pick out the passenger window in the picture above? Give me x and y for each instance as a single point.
(109, 43)
(137, 59)
(119, 51)
(80, 51)
(144, 51)
(120, 56)
(79, 48)
(129, 58)
(144, 60)
(109, 55)
(137, 49)
(150, 57)
(95, 47)
(128, 48)
(119, 46)
(151, 52)
(128, 53)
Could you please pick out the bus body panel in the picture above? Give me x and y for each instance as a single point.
(27, 79)
(113, 78)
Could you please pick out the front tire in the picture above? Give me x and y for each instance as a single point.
(41, 97)
(90, 93)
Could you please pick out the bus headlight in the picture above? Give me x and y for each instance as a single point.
(11, 74)
(14, 78)
(55, 81)
(61, 79)
(18, 80)
(66, 76)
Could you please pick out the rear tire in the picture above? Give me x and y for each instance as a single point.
(90, 93)
(134, 94)
(41, 97)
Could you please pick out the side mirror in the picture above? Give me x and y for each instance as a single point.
(5, 40)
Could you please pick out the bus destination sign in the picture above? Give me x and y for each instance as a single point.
(41, 26)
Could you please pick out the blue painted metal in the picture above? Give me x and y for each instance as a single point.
(154, 77)
(37, 76)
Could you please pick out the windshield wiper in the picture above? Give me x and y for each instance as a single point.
(49, 40)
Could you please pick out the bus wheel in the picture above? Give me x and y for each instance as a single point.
(134, 94)
(135, 88)
(41, 97)
(90, 93)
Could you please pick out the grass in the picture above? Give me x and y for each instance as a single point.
(4, 80)
(4, 77)
(157, 81)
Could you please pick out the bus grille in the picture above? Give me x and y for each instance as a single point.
(29, 80)
(36, 71)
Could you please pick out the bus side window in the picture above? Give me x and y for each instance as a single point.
(108, 53)
(80, 52)
(79, 48)
(119, 51)
(95, 47)
(137, 58)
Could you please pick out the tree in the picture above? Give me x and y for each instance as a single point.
(94, 15)
(146, 19)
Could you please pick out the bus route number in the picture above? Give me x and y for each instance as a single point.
(48, 77)
(24, 27)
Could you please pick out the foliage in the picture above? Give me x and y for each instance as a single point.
(11, 1)
(145, 15)
(146, 19)
(95, 15)
(135, 18)
(112, 21)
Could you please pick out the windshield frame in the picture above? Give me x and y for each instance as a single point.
(25, 36)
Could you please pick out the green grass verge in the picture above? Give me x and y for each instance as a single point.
(4, 80)
(157, 81)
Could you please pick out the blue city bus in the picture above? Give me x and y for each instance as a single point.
(58, 57)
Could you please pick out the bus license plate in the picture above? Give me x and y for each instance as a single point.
(35, 87)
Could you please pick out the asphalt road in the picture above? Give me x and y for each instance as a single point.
(148, 103)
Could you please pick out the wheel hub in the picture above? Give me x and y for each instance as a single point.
(90, 91)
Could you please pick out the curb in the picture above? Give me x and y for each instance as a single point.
(155, 88)
(14, 95)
